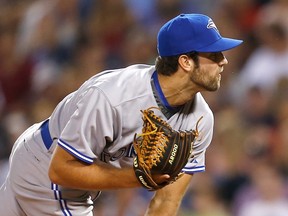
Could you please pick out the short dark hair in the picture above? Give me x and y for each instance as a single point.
(169, 65)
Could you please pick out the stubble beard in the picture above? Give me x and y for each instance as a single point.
(200, 77)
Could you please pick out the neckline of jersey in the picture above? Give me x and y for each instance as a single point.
(160, 93)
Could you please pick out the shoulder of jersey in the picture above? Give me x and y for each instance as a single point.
(201, 105)
(124, 82)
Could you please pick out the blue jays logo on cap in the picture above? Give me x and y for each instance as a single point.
(212, 25)
(192, 32)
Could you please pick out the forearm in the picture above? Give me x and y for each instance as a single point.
(67, 171)
(165, 206)
(167, 200)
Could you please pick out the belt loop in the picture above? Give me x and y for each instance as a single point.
(45, 134)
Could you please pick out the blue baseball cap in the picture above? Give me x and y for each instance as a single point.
(192, 32)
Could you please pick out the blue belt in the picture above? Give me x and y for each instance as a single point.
(45, 134)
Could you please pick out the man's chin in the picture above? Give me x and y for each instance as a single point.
(214, 88)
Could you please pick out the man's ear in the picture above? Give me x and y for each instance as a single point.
(185, 62)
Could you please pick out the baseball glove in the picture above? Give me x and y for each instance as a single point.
(161, 150)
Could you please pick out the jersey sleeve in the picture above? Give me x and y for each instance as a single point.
(197, 161)
(85, 134)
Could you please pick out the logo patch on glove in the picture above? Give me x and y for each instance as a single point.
(173, 153)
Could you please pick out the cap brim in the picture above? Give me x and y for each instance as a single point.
(220, 45)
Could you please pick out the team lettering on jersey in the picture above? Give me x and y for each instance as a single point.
(127, 151)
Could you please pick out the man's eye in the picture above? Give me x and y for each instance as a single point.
(216, 57)
(212, 56)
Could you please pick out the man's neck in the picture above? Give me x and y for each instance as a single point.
(177, 88)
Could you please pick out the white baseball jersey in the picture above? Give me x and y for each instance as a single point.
(95, 123)
(99, 121)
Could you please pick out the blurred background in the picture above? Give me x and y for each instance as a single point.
(49, 47)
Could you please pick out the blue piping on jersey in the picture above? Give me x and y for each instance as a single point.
(62, 202)
(74, 152)
(191, 170)
(160, 92)
(45, 134)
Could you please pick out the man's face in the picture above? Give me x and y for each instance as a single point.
(207, 75)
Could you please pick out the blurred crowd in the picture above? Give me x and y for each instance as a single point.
(49, 47)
